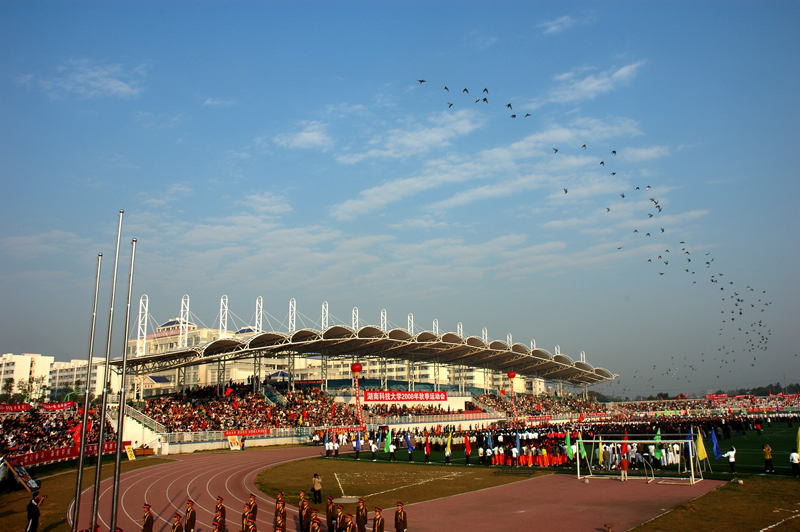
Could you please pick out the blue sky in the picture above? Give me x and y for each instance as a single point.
(287, 150)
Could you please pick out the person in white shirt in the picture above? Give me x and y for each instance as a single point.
(794, 459)
(374, 449)
(731, 456)
(392, 449)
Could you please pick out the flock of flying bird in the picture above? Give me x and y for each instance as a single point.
(740, 315)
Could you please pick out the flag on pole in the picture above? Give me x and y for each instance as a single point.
(386, 446)
(449, 438)
(358, 441)
(228, 392)
(427, 445)
(518, 446)
(701, 448)
(624, 449)
(580, 445)
(569, 447)
(467, 448)
(490, 442)
(326, 439)
(408, 443)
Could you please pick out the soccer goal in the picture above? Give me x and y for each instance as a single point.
(683, 452)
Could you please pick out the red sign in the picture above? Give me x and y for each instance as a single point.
(715, 396)
(373, 395)
(247, 432)
(65, 453)
(59, 406)
(540, 418)
(22, 407)
(338, 430)
(320, 381)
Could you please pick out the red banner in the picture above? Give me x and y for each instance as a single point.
(715, 396)
(22, 407)
(69, 405)
(540, 418)
(65, 453)
(247, 432)
(376, 395)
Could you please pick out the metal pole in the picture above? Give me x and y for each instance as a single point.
(79, 484)
(121, 412)
(101, 435)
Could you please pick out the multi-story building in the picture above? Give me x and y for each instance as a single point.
(27, 369)
(73, 376)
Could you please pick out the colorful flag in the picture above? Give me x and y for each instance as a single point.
(659, 453)
(326, 438)
(449, 437)
(386, 446)
(358, 441)
(580, 445)
(600, 454)
(228, 392)
(408, 443)
(569, 447)
(624, 449)
(427, 445)
(701, 448)
(518, 445)
(467, 448)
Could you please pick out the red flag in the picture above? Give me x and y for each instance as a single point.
(235, 404)
(502, 392)
(625, 445)
(228, 392)
(270, 412)
(76, 433)
(427, 445)
(438, 429)
(580, 419)
(466, 443)
(333, 410)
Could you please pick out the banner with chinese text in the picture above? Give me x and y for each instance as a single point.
(377, 395)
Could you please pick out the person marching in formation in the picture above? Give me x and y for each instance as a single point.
(330, 514)
(221, 508)
(373, 447)
(314, 519)
(305, 512)
(219, 522)
(351, 526)
(361, 516)
(341, 519)
(377, 521)
(191, 516)
(147, 519)
(280, 514)
(245, 516)
(176, 524)
(400, 518)
(251, 525)
(253, 506)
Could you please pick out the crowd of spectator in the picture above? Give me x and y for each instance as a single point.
(540, 405)
(39, 430)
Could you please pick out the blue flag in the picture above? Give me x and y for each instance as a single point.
(518, 446)
(490, 442)
(358, 441)
(326, 437)
(715, 445)
(408, 443)
(380, 439)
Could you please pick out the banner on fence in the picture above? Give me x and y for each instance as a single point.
(246, 432)
(64, 453)
(130, 453)
(716, 396)
(377, 395)
(21, 407)
(235, 442)
(69, 405)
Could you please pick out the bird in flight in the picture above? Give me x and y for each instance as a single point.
(465, 90)
(565, 191)
(602, 163)
(613, 152)
(446, 89)
(555, 150)
(649, 215)
(449, 105)
(662, 229)
(584, 146)
(614, 173)
(509, 106)
(608, 209)
(513, 116)
(486, 90)
(622, 196)
(421, 81)
(477, 99)
(485, 100)
(527, 115)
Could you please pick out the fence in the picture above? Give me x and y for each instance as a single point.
(148, 422)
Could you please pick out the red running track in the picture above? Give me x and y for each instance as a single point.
(551, 503)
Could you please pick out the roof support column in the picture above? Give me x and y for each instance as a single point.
(436, 375)
(382, 370)
(324, 375)
(410, 366)
(181, 380)
(290, 362)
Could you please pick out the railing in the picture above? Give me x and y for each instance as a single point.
(148, 422)
(281, 399)
(443, 418)
(219, 435)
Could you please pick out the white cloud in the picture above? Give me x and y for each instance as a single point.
(557, 25)
(34, 246)
(220, 102)
(268, 204)
(425, 223)
(644, 154)
(174, 192)
(314, 135)
(574, 88)
(398, 143)
(81, 77)
(479, 40)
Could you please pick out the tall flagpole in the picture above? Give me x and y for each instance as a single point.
(78, 485)
(106, 383)
(121, 412)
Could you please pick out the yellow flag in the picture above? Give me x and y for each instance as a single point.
(600, 454)
(701, 449)
(449, 437)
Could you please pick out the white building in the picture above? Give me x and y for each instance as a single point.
(25, 368)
